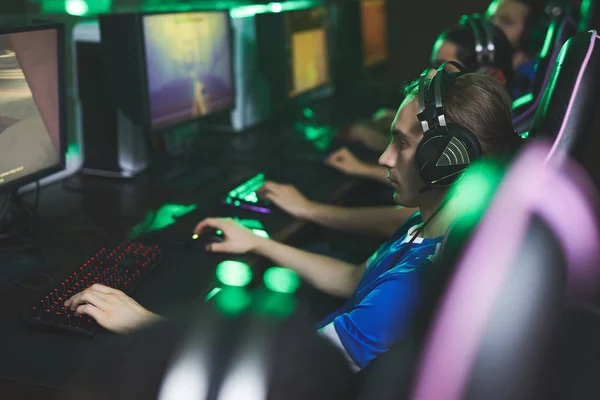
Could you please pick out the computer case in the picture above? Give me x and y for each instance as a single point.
(113, 144)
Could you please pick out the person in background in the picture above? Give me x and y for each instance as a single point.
(522, 21)
(458, 44)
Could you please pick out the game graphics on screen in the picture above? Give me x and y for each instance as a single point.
(307, 31)
(188, 64)
(28, 104)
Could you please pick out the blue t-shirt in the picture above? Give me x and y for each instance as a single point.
(524, 77)
(383, 306)
(528, 68)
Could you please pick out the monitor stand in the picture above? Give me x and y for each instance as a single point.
(188, 159)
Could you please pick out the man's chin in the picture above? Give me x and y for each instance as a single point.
(399, 200)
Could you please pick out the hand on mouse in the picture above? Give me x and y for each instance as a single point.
(343, 160)
(288, 198)
(111, 308)
(237, 239)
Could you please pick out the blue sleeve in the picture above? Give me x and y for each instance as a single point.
(380, 319)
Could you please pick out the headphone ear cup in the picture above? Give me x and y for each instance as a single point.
(441, 156)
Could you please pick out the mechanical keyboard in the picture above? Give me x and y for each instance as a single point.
(123, 267)
(244, 196)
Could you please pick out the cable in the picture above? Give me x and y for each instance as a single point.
(31, 210)
(5, 207)
(415, 235)
(17, 248)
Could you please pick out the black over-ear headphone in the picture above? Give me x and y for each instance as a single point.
(446, 150)
(485, 49)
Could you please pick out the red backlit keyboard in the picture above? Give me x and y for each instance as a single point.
(123, 267)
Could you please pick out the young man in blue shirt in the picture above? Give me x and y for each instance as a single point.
(382, 292)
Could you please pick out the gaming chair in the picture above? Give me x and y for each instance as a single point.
(560, 30)
(498, 326)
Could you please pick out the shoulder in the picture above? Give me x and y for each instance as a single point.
(419, 255)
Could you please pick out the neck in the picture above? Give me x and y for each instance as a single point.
(519, 58)
(430, 203)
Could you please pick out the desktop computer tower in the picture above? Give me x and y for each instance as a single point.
(112, 145)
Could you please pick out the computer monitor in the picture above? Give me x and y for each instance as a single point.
(307, 36)
(188, 65)
(32, 104)
(373, 17)
(165, 69)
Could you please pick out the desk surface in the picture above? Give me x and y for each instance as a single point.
(84, 213)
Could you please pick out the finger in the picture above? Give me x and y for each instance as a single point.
(270, 196)
(94, 312)
(261, 189)
(218, 247)
(333, 154)
(270, 183)
(332, 159)
(268, 187)
(89, 297)
(73, 300)
(102, 289)
(208, 223)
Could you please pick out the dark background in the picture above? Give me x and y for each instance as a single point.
(412, 33)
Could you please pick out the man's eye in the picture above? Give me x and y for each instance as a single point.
(506, 21)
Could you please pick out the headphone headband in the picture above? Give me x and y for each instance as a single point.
(434, 117)
(484, 45)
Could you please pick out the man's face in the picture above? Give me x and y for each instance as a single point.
(444, 51)
(399, 157)
(510, 16)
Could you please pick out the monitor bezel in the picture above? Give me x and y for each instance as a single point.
(165, 128)
(62, 105)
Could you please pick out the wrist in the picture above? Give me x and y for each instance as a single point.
(260, 244)
(309, 211)
(364, 170)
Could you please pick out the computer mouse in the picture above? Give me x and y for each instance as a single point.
(206, 237)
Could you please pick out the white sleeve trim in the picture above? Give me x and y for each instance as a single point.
(331, 334)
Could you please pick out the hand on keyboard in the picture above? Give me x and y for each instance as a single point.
(111, 308)
(288, 198)
(237, 238)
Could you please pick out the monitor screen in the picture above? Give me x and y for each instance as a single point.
(307, 32)
(189, 66)
(374, 32)
(30, 115)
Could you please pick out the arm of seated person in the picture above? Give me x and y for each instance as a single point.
(346, 162)
(111, 308)
(383, 317)
(333, 276)
(373, 135)
(380, 222)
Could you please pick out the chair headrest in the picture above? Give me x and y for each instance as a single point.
(566, 110)
(559, 32)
